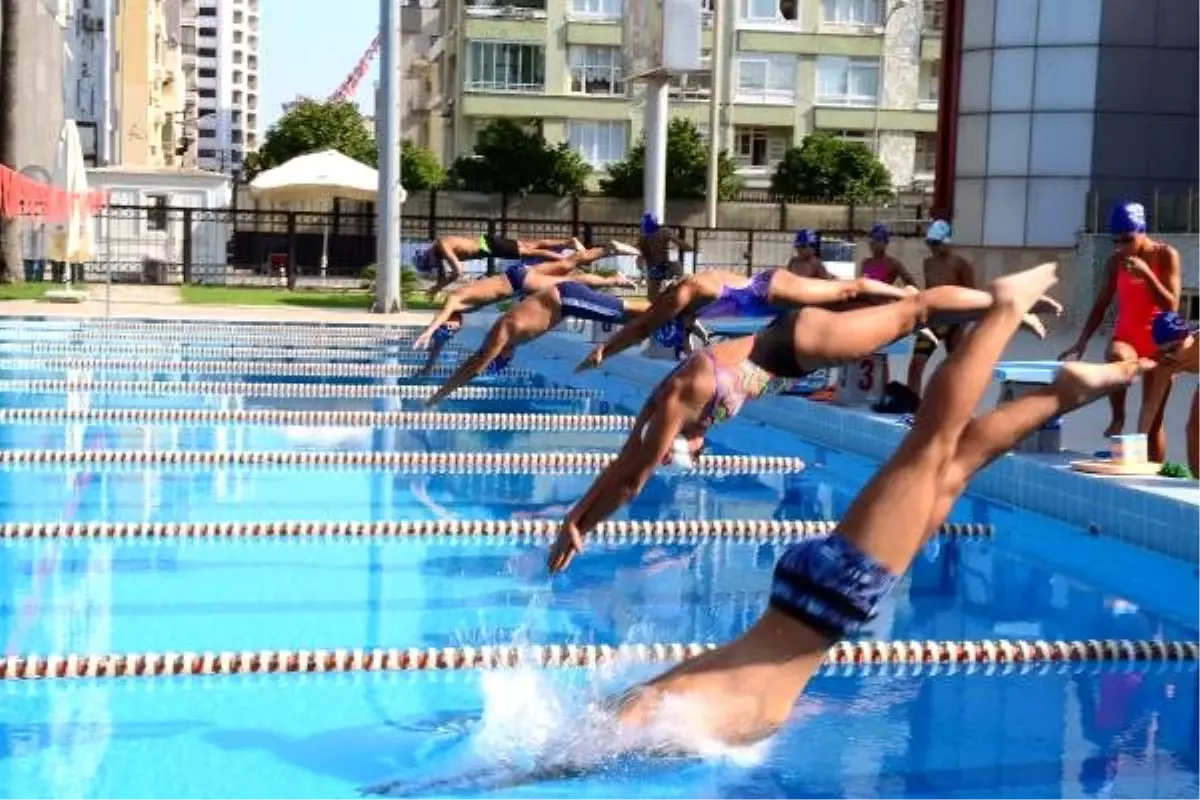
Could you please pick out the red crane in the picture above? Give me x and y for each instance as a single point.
(346, 89)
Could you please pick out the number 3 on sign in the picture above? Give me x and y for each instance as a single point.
(866, 374)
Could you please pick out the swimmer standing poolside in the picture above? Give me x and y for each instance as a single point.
(1179, 352)
(880, 265)
(533, 317)
(713, 385)
(655, 245)
(1144, 277)
(825, 588)
(943, 267)
(446, 254)
(806, 262)
(720, 293)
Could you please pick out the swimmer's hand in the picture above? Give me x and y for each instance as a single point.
(422, 341)
(1137, 266)
(568, 544)
(592, 360)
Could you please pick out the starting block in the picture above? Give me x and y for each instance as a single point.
(1021, 377)
(862, 382)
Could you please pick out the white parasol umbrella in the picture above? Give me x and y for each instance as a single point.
(73, 240)
(319, 177)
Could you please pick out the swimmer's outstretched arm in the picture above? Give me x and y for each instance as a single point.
(623, 479)
(665, 308)
(745, 691)
(498, 340)
(450, 307)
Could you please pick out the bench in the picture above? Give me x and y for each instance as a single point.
(1020, 377)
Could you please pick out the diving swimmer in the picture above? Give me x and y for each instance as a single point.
(720, 293)
(533, 317)
(447, 253)
(713, 385)
(1144, 277)
(825, 589)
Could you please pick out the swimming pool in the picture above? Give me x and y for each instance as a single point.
(81, 390)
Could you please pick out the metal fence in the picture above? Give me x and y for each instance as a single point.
(235, 247)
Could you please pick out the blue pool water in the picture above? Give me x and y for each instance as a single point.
(1125, 732)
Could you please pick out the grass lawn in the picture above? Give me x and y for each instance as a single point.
(303, 298)
(31, 291)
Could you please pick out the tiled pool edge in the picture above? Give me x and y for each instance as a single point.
(1041, 484)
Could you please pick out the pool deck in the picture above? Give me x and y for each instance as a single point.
(1157, 513)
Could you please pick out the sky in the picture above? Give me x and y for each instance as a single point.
(309, 47)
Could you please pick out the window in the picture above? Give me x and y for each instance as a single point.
(206, 12)
(758, 147)
(597, 9)
(850, 12)
(206, 153)
(207, 94)
(237, 37)
(505, 67)
(765, 78)
(925, 156)
(210, 32)
(596, 70)
(206, 72)
(928, 82)
(156, 213)
(599, 143)
(769, 10)
(206, 133)
(237, 76)
(935, 14)
(206, 52)
(865, 138)
(847, 81)
(237, 18)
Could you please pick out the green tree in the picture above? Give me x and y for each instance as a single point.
(512, 157)
(419, 168)
(828, 169)
(312, 126)
(687, 167)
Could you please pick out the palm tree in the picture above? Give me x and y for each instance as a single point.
(11, 266)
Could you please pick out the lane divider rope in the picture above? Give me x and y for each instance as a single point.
(428, 420)
(916, 654)
(214, 336)
(210, 352)
(409, 392)
(502, 531)
(483, 461)
(249, 367)
(219, 325)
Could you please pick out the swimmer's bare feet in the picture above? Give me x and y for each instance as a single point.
(1034, 324)
(1022, 290)
(1081, 381)
(577, 245)
(1047, 305)
(740, 693)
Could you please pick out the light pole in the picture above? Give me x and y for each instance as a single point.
(900, 4)
(716, 83)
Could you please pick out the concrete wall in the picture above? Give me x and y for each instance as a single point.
(41, 55)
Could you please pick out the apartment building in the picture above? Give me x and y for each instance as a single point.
(847, 67)
(148, 84)
(90, 95)
(43, 53)
(220, 57)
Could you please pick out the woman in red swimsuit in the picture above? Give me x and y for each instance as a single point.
(1143, 276)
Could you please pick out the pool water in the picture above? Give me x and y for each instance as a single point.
(1121, 731)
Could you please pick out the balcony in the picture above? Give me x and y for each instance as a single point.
(507, 9)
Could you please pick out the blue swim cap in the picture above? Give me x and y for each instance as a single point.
(879, 233)
(443, 334)
(423, 261)
(939, 232)
(1169, 328)
(807, 237)
(498, 365)
(670, 335)
(650, 224)
(1126, 219)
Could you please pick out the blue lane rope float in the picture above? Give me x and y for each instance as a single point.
(425, 420)
(444, 462)
(916, 656)
(473, 531)
(246, 389)
(315, 369)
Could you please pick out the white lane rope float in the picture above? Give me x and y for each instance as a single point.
(274, 368)
(915, 655)
(444, 462)
(249, 389)
(469, 531)
(425, 420)
(145, 351)
(216, 336)
(221, 326)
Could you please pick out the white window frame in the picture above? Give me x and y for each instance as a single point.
(922, 170)
(851, 14)
(847, 64)
(774, 146)
(587, 67)
(928, 85)
(475, 50)
(765, 13)
(586, 137)
(686, 86)
(598, 10)
(865, 138)
(777, 68)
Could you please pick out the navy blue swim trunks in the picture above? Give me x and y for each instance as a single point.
(584, 302)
